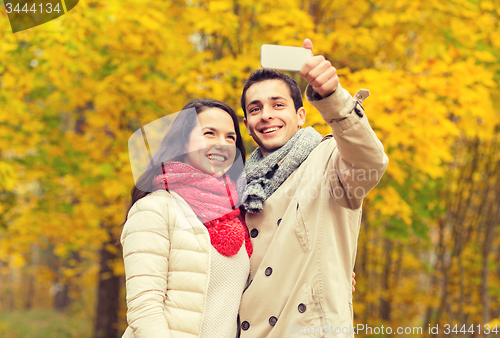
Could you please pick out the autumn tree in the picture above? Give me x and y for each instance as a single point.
(73, 91)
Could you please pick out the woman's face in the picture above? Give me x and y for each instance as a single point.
(212, 150)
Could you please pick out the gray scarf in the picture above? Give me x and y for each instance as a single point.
(266, 174)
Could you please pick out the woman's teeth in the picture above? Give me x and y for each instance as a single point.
(216, 158)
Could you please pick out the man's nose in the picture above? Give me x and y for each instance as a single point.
(267, 113)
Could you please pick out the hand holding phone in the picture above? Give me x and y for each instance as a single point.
(316, 70)
(319, 73)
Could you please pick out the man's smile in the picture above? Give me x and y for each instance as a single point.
(271, 129)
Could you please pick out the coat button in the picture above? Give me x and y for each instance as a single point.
(254, 233)
(302, 308)
(279, 221)
(269, 271)
(245, 325)
(273, 320)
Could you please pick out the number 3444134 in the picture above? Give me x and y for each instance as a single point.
(486, 329)
(34, 8)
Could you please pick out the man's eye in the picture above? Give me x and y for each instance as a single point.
(279, 105)
(254, 109)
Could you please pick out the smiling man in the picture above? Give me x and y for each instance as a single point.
(305, 194)
(271, 116)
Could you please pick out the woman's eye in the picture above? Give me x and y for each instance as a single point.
(208, 133)
(232, 138)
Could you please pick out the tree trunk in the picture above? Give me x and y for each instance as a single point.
(386, 299)
(440, 251)
(30, 293)
(60, 288)
(487, 244)
(106, 323)
(61, 296)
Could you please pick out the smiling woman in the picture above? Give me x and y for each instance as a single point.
(187, 135)
(212, 149)
(189, 281)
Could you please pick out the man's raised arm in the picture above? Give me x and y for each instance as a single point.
(358, 161)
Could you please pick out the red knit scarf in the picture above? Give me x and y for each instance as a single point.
(213, 201)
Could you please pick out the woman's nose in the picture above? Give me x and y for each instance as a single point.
(220, 144)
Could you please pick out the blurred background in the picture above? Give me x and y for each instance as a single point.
(73, 91)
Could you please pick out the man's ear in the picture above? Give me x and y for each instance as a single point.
(301, 113)
(246, 125)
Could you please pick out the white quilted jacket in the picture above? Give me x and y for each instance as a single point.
(166, 251)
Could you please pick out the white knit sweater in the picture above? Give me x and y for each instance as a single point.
(228, 276)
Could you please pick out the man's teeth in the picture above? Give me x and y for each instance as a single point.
(216, 158)
(270, 130)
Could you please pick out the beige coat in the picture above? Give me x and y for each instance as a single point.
(305, 239)
(163, 240)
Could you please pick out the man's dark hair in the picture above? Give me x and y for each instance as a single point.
(270, 74)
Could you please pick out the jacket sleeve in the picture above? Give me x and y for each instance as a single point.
(358, 160)
(146, 246)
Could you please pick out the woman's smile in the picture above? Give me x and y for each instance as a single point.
(212, 146)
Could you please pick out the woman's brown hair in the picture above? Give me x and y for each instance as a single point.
(174, 144)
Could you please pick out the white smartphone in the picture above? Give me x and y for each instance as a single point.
(283, 57)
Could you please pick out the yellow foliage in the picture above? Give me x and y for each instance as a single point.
(494, 322)
(393, 205)
(73, 91)
(16, 261)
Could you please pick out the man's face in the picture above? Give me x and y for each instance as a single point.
(271, 116)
